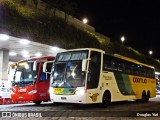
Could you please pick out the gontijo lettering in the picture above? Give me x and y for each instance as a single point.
(139, 80)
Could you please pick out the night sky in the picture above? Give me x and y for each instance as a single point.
(137, 20)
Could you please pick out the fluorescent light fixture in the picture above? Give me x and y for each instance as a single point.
(38, 54)
(26, 55)
(24, 52)
(4, 37)
(12, 53)
(24, 41)
(55, 48)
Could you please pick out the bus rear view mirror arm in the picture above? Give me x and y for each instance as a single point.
(46, 65)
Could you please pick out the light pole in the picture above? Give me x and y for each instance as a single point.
(122, 39)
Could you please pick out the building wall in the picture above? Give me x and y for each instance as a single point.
(61, 14)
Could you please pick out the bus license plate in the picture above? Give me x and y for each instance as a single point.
(63, 98)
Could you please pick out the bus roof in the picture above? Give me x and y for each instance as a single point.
(132, 60)
(38, 58)
(78, 49)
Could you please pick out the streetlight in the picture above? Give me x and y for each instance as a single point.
(150, 52)
(122, 39)
(85, 20)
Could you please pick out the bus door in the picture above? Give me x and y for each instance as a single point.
(94, 76)
(44, 80)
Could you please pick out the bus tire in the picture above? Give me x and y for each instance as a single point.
(106, 100)
(144, 97)
(37, 102)
(147, 96)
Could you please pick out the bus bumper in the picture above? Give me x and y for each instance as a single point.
(68, 98)
(29, 97)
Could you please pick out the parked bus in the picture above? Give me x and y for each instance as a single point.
(90, 76)
(30, 83)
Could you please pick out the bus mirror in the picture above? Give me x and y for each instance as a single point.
(11, 68)
(44, 67)
(84, 64)
(47, 66)
(35, 66)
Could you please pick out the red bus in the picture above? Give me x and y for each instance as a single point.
(29, 82)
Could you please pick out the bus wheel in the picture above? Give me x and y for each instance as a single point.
(147, 96)
(37, 102)
(106, 99)
(144, 97)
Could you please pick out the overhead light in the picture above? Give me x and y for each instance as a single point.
(24, 41)
(26, 55)
(157, 73)
(4, 37)
(12, 53)
(55, 48)
(24, 52)
(38, 54)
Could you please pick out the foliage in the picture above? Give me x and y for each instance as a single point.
(20, 9)
(35, 3)
(49, 30)
(101, 40)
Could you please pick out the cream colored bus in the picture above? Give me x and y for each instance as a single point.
(89, 76)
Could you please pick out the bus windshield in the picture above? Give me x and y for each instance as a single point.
(67, 70)
(24, 73)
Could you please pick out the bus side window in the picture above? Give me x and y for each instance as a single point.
(43, 76)
(127, 67)
(143, 71)
(48, 69)
(113, 64)
(120, 65)
(107, 63)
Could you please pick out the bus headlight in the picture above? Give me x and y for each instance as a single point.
(33, 91)
(80, 92)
